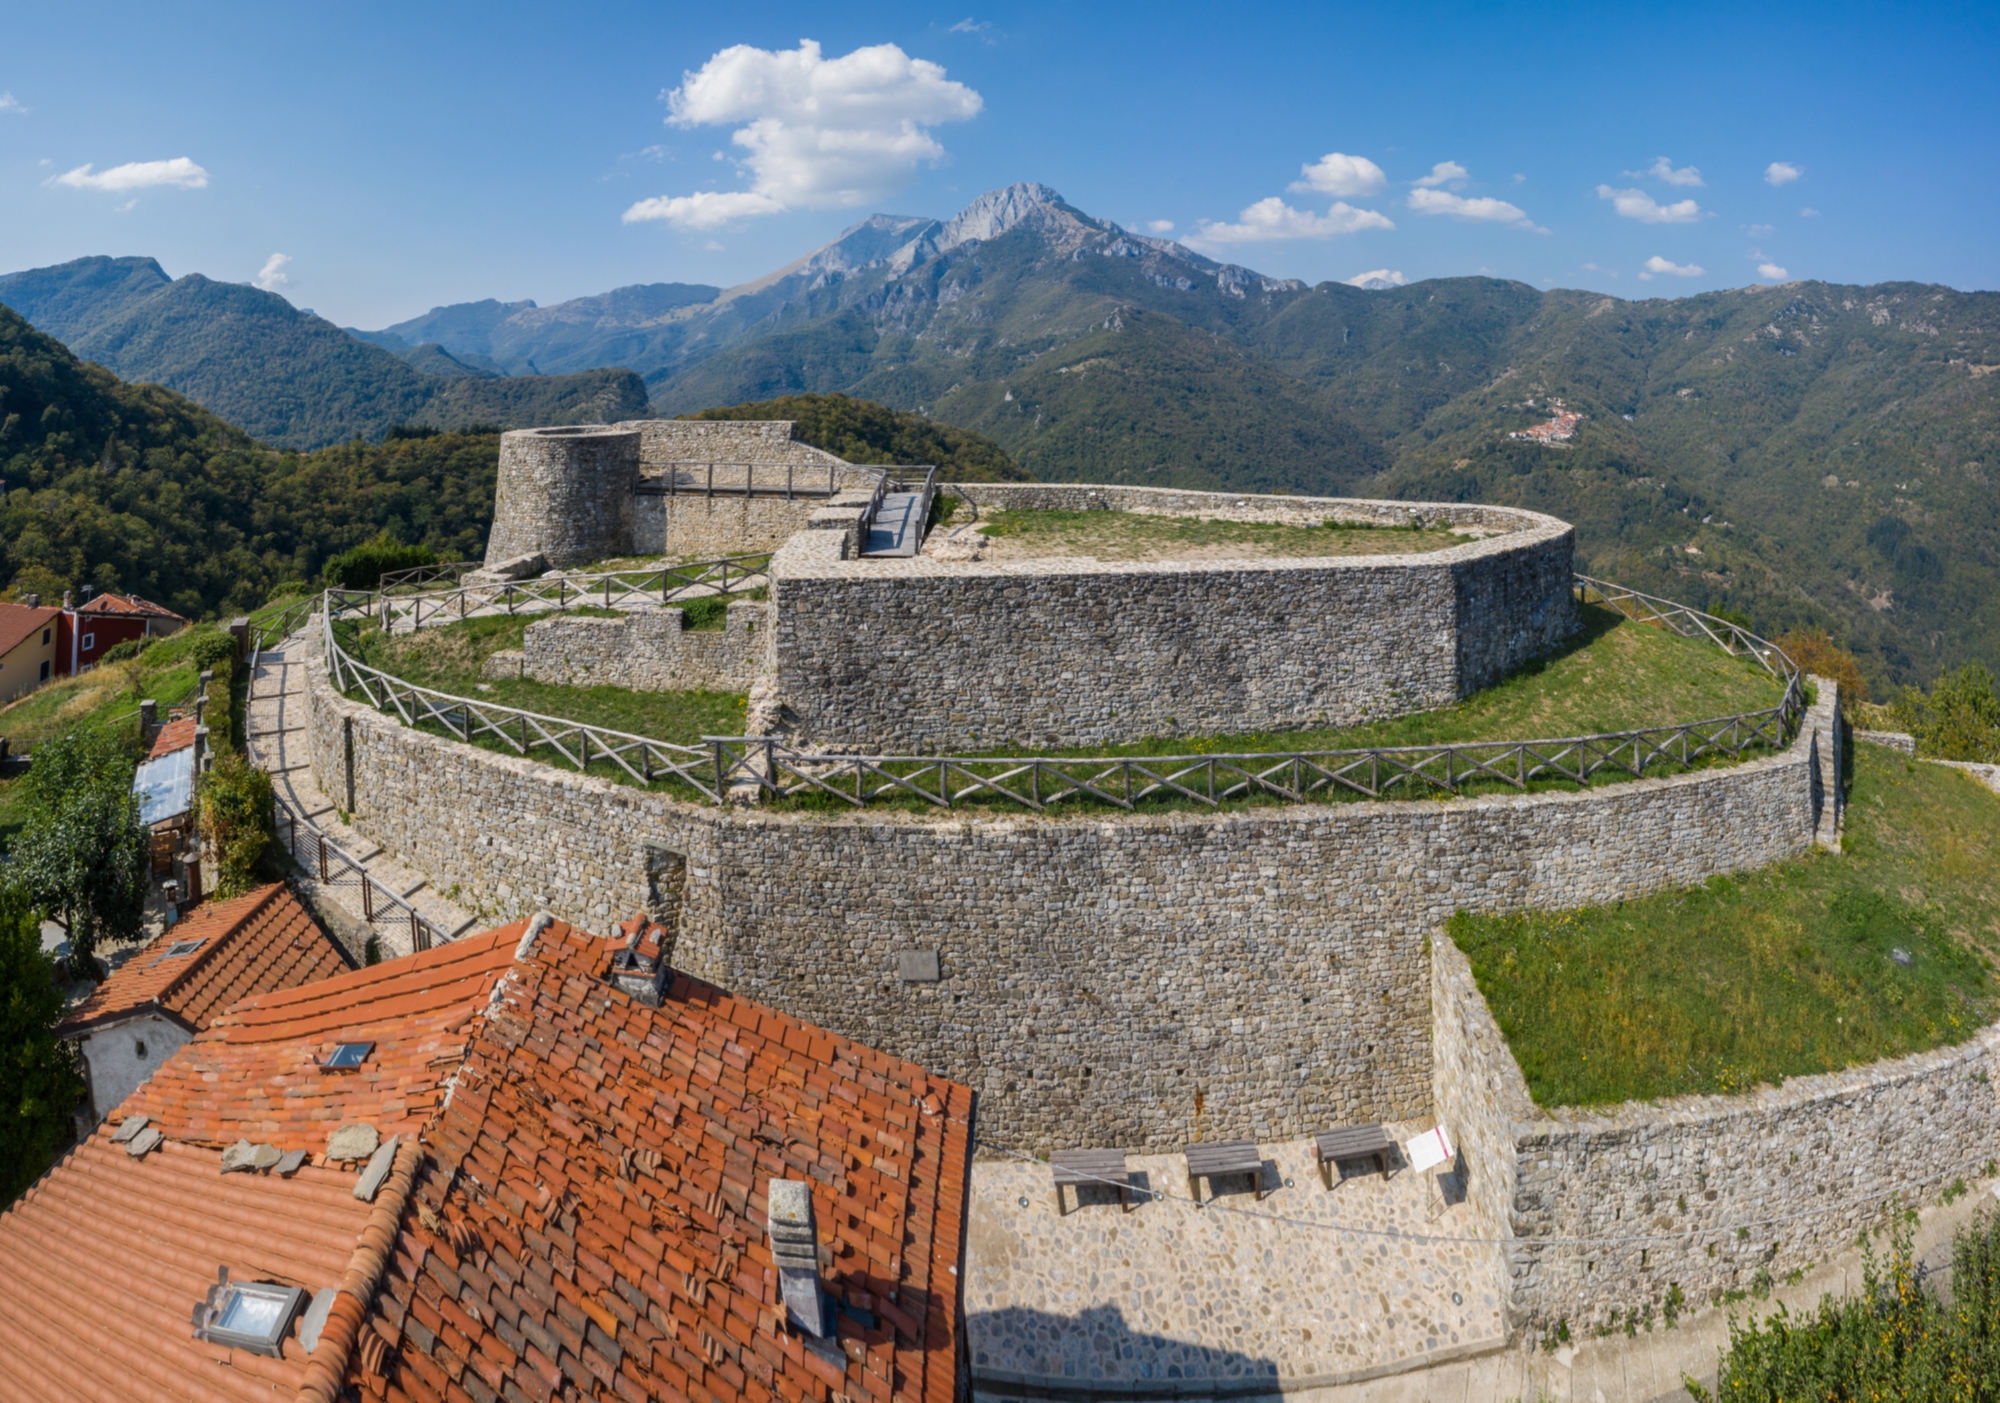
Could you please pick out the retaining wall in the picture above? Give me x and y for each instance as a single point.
(648, 650)
(1130, 980)
(902, 655)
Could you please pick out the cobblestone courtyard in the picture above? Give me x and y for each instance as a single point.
(1302, 1286)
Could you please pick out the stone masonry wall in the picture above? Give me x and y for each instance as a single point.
(650, 650)
(564, 492)
(1130, 980)
(695, 527)
(899, 655)
(1476, 1088)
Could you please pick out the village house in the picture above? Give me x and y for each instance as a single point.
(28, 654)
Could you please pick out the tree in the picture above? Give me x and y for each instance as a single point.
(1959, 720)
(1814, 650)
(39, 1084)
(81, 855)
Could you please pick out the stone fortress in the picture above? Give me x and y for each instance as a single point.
(1145, 979)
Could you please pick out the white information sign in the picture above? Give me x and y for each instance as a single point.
(1429, 1150)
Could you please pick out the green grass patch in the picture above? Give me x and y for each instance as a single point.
(449, 659)
(1796, 969)
(164, 672)
(1116, 535)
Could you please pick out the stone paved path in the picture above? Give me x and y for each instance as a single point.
(1177, 1294)
(276, 725)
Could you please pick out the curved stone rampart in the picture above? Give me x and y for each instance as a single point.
(897, 656)
(566, 493)
(1135, 980)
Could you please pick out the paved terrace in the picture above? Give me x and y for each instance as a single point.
(1181, 1296)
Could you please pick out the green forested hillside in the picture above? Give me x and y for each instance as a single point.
(863, 432)
(132, 487)
(285, 376)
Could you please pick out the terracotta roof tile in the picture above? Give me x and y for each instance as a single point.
(255, 942)
(255, 1074)
(107, 1256)
(127, 604)
(175, 735)
(593, 1222)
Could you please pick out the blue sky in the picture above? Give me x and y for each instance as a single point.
(402, 156)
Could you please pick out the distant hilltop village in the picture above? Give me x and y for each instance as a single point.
(1558, 428)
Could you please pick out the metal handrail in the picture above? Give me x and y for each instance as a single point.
(766, 768)
(669, 483)
(660, 585)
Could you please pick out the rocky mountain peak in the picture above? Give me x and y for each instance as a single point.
(997, 211)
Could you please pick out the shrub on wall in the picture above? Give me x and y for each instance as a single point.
(235, 818)
(1814, 650)
(363, 566)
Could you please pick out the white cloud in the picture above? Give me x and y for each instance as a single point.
(1160, 226)
(1809, 213)
(970, 26)
(1772, 271)
(1338, 174)
(272, 276)
(1272, 219)
(10, 103)
(707, 209)
(818, 133)
(137, 175)
(1782, 173)
(1377, 280)
(1441, 173)
(1663, 169)
(1637, 204)
(1483, 209)
(1657, 266)
(1758, 230)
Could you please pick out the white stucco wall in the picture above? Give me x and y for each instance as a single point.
(117, 1066)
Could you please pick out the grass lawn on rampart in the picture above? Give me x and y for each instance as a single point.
(449, 659)
(1116, 535)
(1783, 972)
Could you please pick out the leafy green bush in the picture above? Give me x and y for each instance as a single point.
(212, 650)
(234, 807)
(364, 565)
(130, 648)
(38, 1070)
(1959, 720)
(1895, 1340)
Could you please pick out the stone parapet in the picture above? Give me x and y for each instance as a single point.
(1134, 980)
(892, 656)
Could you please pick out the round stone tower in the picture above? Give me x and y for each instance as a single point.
(566, 492)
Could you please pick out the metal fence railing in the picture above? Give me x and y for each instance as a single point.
(756, 768)
(701, 478)
(616, 589)
(312, 850)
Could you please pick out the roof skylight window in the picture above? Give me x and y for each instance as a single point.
(183, 947)
(347, 1057)
(252, 1315)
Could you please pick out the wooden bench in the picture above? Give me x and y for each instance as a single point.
(1213, 1157)
(1075, 1168)
(1352, 1142)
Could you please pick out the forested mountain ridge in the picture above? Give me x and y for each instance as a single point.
(286, 376)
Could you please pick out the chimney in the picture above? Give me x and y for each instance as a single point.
(33, 601)
(795, 1249)
(69, 599)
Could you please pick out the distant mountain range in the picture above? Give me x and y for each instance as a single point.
(288, 377)
(1801, 452)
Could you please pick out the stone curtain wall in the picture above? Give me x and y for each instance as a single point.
(1476, 1089)
(706, 528)
(894, 656)
(650, 650)
(691, 525)
(1125, 980)
(564, 492)
(1290, 511)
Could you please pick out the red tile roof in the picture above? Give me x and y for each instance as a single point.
(126, 604)
(255, 1074)
(106, 1258)
(592, 1224)
(581, 1215)
(175, 735)
(262, 940)
(18, 622)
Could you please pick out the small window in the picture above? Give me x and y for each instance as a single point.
(181, 947)
(252, 1315)
(45, 637)
(89, 642)
(139, 1046)
(45, 669)
(347, 1057)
